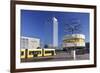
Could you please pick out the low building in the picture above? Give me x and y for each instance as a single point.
(29, 43)
(74, 40)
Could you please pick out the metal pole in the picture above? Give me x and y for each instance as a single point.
(74, 54)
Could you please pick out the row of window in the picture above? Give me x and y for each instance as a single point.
(26, 43)
(74, 40)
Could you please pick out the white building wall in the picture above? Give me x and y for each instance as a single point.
(29, 43)
(34, 43)
(55, 32)
(24, 43)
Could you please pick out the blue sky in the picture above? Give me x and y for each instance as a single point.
(39, 24)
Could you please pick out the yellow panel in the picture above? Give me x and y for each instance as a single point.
(40, 50)
(22, 56)
(29, 55)
(31, 50)
(40, 54)
(49, 54)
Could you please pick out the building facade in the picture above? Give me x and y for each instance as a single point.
(74, 40)
(55, 32)
(29, 43)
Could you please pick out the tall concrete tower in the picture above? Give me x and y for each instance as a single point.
(55, 32)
